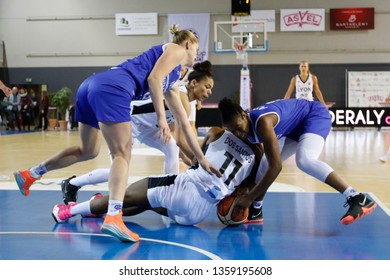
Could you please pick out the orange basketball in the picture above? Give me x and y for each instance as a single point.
(228, 214)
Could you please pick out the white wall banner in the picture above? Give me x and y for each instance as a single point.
(302, 20)
(368, 88)
(268, 15)
(199, 24)
(136, 24)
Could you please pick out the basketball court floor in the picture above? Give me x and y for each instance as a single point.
(301, 214)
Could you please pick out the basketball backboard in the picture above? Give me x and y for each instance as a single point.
(252, 34)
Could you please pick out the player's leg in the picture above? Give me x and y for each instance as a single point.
(89, 149)
(170, 150)
(287, 148)
(135, 198)
(71, 185)
(386, 156)
(309, 148)
(119, 140)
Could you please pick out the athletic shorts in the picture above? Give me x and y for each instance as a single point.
(318, 121)
(105, 97)
(187, 204)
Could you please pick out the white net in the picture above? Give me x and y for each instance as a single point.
(241, 53)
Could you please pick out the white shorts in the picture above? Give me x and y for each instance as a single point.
(187, 204)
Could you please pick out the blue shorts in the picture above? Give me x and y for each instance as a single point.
(105, 97)
(318, 121)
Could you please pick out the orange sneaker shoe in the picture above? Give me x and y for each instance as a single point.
(113, 225)
(24, 180)
(359, 206)
(255, 216)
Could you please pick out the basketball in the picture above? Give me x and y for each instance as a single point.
(228, 214)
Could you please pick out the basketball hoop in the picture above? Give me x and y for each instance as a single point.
(240, 50)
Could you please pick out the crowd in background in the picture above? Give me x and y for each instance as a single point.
(22, 110)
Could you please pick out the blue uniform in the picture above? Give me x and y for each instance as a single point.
(295, 117)
(106, 96)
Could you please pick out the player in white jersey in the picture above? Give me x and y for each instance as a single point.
(304, 84)
(188, 197)
(194, 104)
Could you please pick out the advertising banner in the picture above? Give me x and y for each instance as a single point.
(302, 20)
(136, 24)
(199, 24)
(352, 19)
(368, 88)
(360, 117)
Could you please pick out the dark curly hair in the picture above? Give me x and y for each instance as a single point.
(229, 110)
(201, 70)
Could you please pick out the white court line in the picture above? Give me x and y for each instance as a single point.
(198, 250)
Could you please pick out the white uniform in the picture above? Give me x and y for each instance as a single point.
(182, 84)
(190, 196)
(145, 130)
(144, 118)
(304, 90)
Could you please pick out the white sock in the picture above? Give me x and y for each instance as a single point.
(81, 208)
(96, 176)
(114, 206)
(38, 171)
(350, 192)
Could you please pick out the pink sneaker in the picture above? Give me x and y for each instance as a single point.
(96, 195)
(61, 212)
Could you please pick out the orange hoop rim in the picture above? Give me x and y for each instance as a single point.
(240, 47)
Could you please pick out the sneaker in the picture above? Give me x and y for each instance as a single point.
(384, 158)
(24, 180)
(69, 191)
(255, 215)
(359, 206)
(114, 226)
(96, 195)
(61, 212)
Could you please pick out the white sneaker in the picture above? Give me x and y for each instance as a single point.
(384, 158)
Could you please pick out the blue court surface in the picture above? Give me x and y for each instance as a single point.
(297, 226)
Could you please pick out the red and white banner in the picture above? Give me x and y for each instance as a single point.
(199, 24)
(352, 18)
(302, 20)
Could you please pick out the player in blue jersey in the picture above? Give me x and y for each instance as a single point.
(187, 197)
(103, 108)
(145, 129)
(287, 127)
